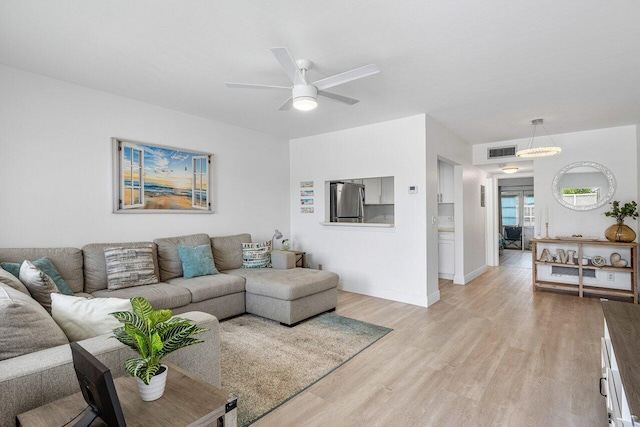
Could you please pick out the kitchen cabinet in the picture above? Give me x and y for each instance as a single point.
(371, 191)
(378, 191)
(446, 255)
(445, 182)
(386, 190)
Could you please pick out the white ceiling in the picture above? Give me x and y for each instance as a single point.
(483, 68)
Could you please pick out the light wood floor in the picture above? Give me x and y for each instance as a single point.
(490, 353)
(515, 258)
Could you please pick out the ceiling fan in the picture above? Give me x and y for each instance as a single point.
(303, 94)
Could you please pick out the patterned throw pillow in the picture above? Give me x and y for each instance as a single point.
(128, 267)
(256, 255)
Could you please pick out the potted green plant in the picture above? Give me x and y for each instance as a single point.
(620, 232)
(152, 334)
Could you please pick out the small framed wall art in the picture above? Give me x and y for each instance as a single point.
(306, 197)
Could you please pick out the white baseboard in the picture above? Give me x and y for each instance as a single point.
(463, 280)
(433, 298)
(419, 300)
(476, 273)
(445, 276)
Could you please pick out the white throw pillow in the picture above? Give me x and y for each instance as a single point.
(81, 318)
(40, 286)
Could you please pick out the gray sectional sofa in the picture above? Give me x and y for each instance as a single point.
(282, 293)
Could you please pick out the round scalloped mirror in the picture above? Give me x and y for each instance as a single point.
(583, 186)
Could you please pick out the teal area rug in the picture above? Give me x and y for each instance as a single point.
(265, 364)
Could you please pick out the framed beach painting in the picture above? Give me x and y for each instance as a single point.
(150, 178)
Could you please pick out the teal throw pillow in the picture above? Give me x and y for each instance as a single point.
(45, 265)
(196, 261)
(11, 267)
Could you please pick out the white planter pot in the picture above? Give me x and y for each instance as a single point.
(155, 389)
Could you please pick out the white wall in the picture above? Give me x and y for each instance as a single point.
(55, 167)
(491, 247)
(470, 222)
(387, 263)
(616, 149)
(474, 226)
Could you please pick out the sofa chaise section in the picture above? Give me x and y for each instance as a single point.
(289, 296)
(283, 293)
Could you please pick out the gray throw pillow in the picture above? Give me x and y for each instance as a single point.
(39, 284)
(11, 280)
(128, 267)
(26, 326)
(227, 250)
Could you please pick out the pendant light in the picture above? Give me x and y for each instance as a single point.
(541, 151)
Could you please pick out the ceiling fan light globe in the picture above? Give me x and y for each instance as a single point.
(305, 103)
(304, 97)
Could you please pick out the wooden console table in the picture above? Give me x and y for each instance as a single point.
(187, 401)
(580, 287)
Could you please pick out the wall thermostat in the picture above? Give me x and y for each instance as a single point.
(413, 189)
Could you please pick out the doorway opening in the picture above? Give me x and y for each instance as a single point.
(516, 220)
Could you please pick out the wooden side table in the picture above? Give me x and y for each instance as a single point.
(301, 259)
(187, 401)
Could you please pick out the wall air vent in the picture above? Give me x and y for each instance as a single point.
(500, 152)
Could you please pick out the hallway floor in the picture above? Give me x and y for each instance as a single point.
(515, 258)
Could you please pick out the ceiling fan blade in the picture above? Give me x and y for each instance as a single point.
(290, 67)
(287, 105)
(254, 86)
(339, 98)
(346, 77)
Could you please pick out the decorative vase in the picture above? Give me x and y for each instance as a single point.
(620, 232)
(155, 389)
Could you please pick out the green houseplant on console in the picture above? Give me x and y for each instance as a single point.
(152, 334)
(620, 232)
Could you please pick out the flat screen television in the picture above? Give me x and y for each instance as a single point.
(97, 389)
